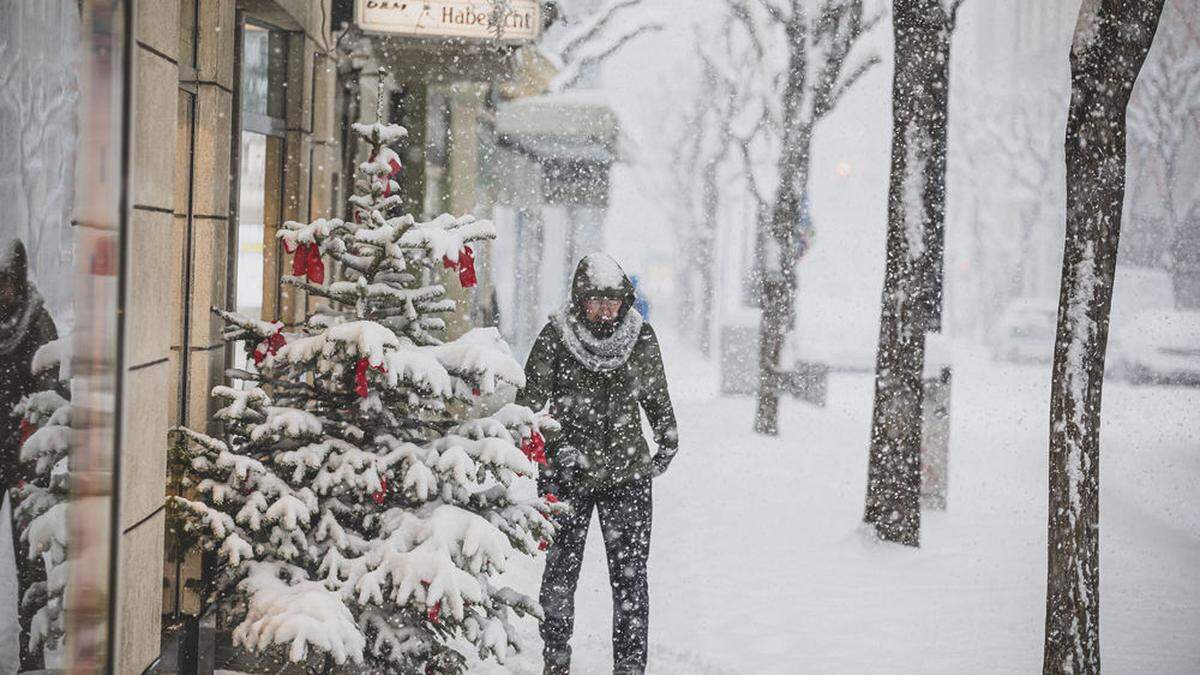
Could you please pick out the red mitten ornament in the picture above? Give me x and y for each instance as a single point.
(308, 263)
(26, 430)
(435, 612)
(465, 266)
(534, 448)
(316, 265)
(381, 494)
(360, 376)
(270, 345)
(389, 157)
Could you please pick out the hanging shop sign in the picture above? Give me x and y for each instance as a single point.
(505, 20)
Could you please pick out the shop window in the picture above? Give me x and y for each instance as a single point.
(260, 161)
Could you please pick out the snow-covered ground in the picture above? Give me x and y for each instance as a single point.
(758, 564)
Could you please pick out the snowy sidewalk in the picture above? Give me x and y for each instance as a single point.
(758, 565)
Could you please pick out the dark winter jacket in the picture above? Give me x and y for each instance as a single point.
(25, 325)
(595, 396)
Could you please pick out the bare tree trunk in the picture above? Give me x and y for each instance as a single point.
(708, 296)
(779, 278)
(837, 27)
(779, 267)
(937, 124)
(683, 281)
(1111, 41)
(911, 302)
(706, 244)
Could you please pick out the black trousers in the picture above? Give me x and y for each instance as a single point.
(625, 515)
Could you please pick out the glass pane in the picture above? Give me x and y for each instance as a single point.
(255, 60)
(277, 74)
(251, 206)
(264, 71)
(59, 259)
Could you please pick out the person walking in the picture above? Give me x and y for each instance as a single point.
(595, 363)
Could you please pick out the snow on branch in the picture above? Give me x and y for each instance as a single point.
(298, 615)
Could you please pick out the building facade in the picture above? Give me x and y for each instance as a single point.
(159, 154)
(160, 149)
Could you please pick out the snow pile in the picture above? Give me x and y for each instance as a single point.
(296, 615)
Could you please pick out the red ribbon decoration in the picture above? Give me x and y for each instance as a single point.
(465, 266)
(534, 448)
(435, 612)
(360, 376)
(271, 345)
(26, 430)
(551, 498)
(381, 494)
(308, 263)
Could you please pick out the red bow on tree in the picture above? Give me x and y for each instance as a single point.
(360, 376)
(435, 612)
(270, 345)
(307, 262)
(551, 498)
(465, 266)
(381, 494)
(26, 430)
(534, 448)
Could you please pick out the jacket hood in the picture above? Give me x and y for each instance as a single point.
(14, 272)
(599, 276)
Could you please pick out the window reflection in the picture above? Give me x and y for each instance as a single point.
(59, 258)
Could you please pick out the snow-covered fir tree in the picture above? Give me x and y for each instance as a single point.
(361, 501)
(41, 502)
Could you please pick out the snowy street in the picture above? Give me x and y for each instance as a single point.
(758, 565)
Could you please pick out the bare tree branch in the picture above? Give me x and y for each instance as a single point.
(574, 71)
(595, 25)
(777, 14)
(847, 82)
(739, 10)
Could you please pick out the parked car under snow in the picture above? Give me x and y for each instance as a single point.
(1159, 346)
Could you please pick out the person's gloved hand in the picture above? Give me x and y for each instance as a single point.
(567, 461)
(661, 460)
